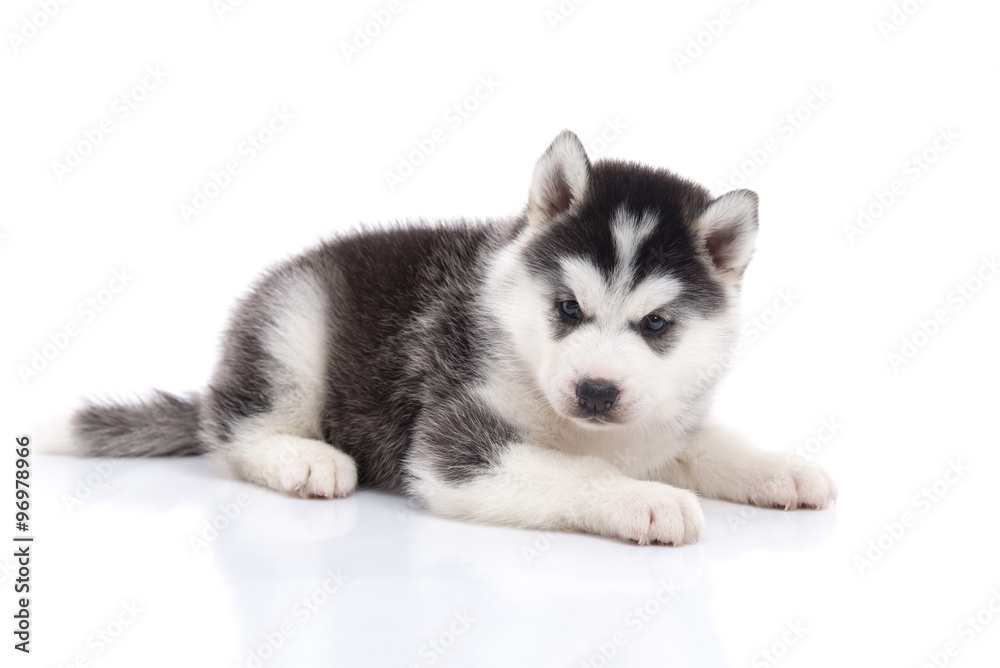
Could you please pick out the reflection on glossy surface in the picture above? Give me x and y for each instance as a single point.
(237, 575)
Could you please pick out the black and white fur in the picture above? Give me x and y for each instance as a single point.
(551, 371)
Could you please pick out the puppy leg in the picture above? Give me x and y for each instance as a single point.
(718, 463)
(301, 466)
(262, 414)
(531, 487)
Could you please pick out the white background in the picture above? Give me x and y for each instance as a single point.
(888, 92)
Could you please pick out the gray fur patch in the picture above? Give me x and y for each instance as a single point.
(160, 426)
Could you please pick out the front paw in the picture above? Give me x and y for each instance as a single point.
(792, 484)
(651, 513)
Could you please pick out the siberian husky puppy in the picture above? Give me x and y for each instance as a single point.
(549, 371)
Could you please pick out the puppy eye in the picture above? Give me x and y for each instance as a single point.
(654, 324)
(570, 309)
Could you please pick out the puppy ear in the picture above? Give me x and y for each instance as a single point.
(560, 179)
(728, 229)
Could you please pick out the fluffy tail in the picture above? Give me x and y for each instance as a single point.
(159, 426)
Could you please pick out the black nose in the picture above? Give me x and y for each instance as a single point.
(596, 397)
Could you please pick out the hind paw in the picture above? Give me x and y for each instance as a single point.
(299, 466)
(320, 474)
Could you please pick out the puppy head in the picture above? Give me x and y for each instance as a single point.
(623, 290)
